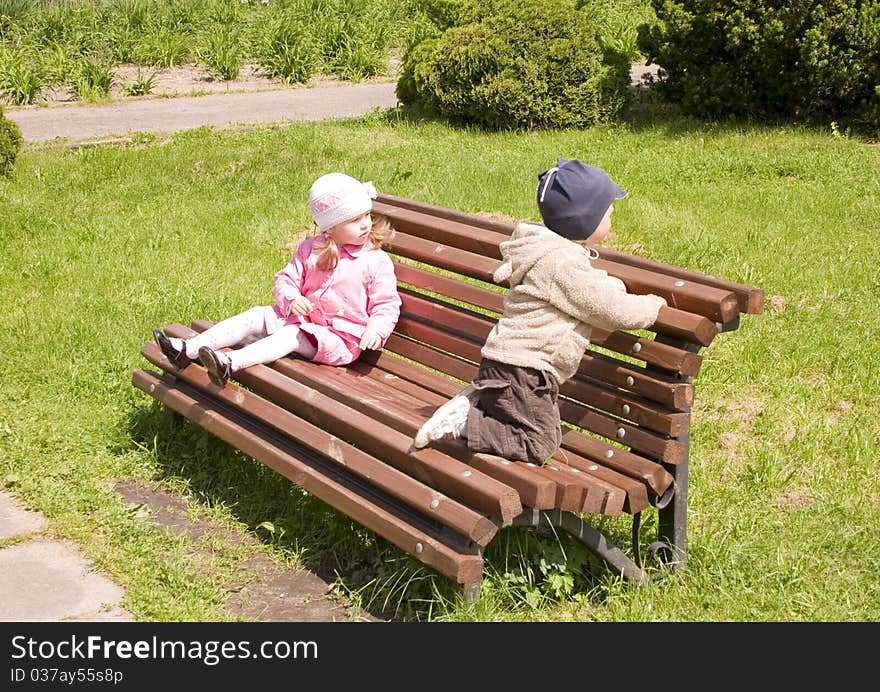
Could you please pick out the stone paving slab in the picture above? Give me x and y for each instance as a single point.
(17, 521)
(44, 580)
(48, 580)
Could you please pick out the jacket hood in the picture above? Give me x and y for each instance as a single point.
(528, 245)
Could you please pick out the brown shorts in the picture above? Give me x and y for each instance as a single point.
(517, 414)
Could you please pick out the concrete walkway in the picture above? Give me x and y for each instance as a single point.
(78, 122)
(48, 580)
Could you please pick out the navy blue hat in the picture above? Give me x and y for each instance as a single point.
(573, 197)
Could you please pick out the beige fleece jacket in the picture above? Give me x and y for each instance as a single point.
(556, 296)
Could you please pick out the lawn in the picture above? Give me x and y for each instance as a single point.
(103, 244)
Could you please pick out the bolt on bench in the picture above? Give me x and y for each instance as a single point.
(344, 433)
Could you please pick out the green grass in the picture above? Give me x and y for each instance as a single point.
(102, 244)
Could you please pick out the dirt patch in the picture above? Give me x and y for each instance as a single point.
(792, 499)
(266, 592)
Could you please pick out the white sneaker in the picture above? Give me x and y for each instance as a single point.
(448, 422)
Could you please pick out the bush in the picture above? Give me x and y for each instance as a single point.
(515, 65)
(801, 60)
(10, 143)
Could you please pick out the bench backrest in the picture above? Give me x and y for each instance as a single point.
(632, 393)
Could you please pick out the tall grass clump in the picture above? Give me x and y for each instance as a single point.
(163, 47)
(617, 23)
(141, 85)
(22, 75)
(219, 49)
(355, 38)
(93, 78)
(285, 44)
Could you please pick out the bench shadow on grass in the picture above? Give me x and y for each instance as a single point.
(363, 570)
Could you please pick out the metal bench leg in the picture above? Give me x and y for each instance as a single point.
(471, 593)
(672, 521)
(591, 537)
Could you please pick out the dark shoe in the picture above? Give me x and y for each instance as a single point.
(176, 357)
(217, 371)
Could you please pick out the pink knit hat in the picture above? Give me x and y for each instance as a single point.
(336, 198)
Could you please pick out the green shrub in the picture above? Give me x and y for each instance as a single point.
(800, 60)
(10, 143)
(516, 65)
(163, 47)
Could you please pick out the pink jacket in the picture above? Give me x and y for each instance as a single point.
(360, 292)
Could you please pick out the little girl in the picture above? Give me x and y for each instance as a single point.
(556, 297)
(336, 297)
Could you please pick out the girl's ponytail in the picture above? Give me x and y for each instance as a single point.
(328, 253)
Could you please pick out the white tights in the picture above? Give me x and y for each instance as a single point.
(267, 348)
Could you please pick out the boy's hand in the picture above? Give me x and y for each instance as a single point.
(300, 306)
(661, 302)
(370, 340)
(617, 283)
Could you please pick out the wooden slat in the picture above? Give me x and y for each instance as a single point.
(750, 299)
(674, 393)
(663, 356)
(716, 304)
(646, 471)
(665, 449)
(348, 388)
(502, 227)
(632, 484)
(450, 232)
(671, 321)
(443, 256)
(644, 413)
(409, 416)
(317, 479)
(357, 392)
(571, 494)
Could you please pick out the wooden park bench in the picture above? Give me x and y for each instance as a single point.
(344, 434)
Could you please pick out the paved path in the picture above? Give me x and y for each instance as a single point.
(43, 579)
(79, 122)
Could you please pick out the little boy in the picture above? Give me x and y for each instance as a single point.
(556, 296)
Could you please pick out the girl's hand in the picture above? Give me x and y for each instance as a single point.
(300, 306)
(370, 340)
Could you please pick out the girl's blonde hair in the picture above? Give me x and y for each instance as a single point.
(328, 252)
